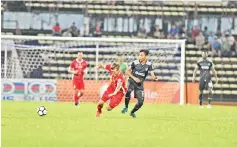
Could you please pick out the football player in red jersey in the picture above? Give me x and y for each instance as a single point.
(116, 90)
(78, 69)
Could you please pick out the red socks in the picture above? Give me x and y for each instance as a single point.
(76, 98)
(99, 107)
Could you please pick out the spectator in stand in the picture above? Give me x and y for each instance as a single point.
(173, 33)
(74, 30)
(97, 32)
(142, 32)
(211, 37)
(57, 31)
(67, 33)
(183, 34)
(216, 47)
(195, 32)
(231, 43)
(206, 32)
(207, 45)
(200, 40)
(158, 32)
(225, 48)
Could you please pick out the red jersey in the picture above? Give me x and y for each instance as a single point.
(115, 79)
(79, 66)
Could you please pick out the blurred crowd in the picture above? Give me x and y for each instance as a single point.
(222, 45)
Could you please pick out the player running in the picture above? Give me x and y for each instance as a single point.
(77, 68)
(205, 66)
(137, 73)
(116, 90)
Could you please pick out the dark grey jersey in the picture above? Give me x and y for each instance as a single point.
(205, 66)
(141, 70)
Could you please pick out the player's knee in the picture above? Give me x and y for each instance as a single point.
(128, 94)
(140, 103)
(81, 93)
(210, 94)
(75, 91)
(210, 91)
(109, 108)
(100, 102)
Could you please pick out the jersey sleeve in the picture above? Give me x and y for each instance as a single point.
(132, 66)
(108, 67)
(212, 65)
(198, 63)
(150, 68)
(85, 65)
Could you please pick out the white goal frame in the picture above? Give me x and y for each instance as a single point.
(100, 40)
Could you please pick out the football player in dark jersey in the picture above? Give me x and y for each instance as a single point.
(137, 73)
(205, 66)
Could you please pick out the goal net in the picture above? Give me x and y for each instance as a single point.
(35, 67)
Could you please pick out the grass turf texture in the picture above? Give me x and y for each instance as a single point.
(157, 125)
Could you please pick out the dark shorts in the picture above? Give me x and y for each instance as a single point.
(137, 88)
(205, 85)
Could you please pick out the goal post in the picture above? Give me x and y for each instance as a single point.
(47, 58)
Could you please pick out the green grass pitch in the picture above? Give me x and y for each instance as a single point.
(156, 125)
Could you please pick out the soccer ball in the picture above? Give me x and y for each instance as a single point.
(42, 111)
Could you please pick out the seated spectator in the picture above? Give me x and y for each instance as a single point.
(216, 47)
(207, 45)
(57, 31)
(206, 33)
(74, 30)
(173, 33)
(195, 32)
(211, 37)
(158, 32)
(200, 40)
(225, 48)
(183, 33)
(97, 32)
(67, 33)
(231, 43)
(142, 32)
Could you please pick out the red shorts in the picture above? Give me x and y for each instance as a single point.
(114, 100)
(78, 84)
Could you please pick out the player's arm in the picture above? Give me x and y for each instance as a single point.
(154, 77)
(71, 70)
(118, 87)
(85, 69)
(129, 73)
(194, 73)
(101, 66)
(214, 72)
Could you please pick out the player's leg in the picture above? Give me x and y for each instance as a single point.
(75, 96)
(201, 88)
(100, 105)
(128, 96)
(101, 102)
(200, 98)
(139, 94)
(210, 92)
(81, 88)
(76, 91)
(115, 101)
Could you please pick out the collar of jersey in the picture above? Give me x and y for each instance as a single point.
(79, 61)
